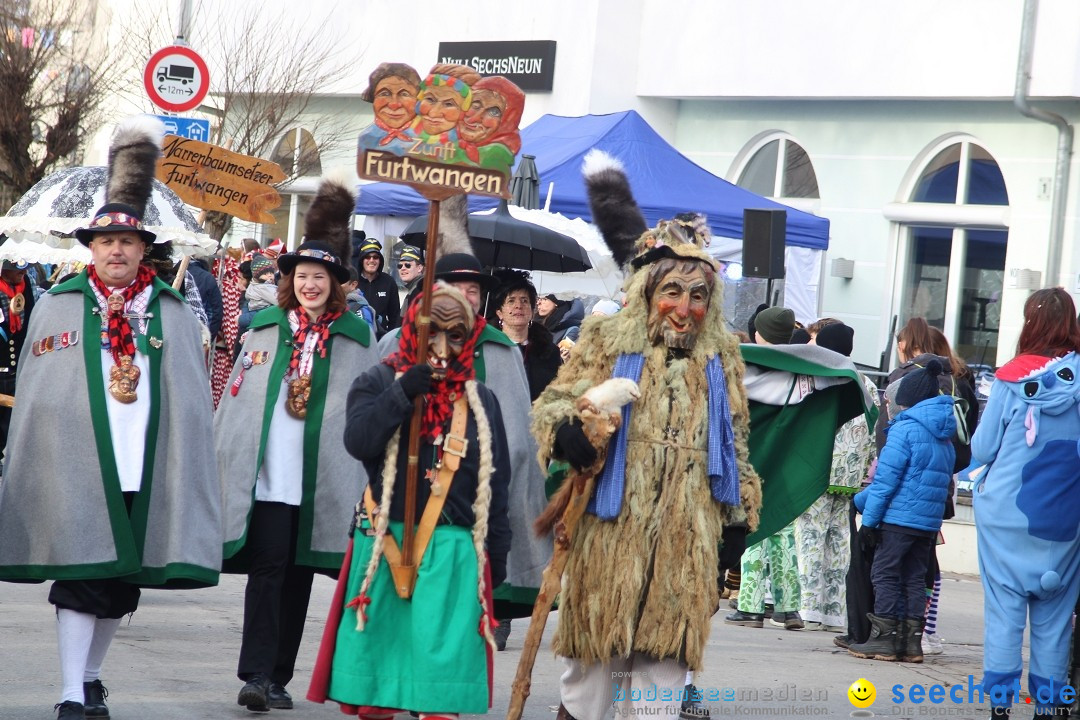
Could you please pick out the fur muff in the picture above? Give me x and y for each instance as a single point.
(133, 156)
(329, 219)
(647, 581)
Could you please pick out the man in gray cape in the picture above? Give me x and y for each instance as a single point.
(110, 483)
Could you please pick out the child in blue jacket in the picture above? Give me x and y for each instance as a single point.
(902, 511)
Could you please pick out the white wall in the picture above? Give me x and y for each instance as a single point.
(854, 49)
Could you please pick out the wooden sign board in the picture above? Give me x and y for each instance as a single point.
(450, 132)
(213, 178)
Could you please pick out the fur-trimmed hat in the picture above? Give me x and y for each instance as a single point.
(133, 156)
(327, 232)
(615, 212)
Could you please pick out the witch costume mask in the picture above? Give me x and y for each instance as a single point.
(679, 303)
(450, 328)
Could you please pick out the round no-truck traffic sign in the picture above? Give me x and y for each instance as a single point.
(176, 78)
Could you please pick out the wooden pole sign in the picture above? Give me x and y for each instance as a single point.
(213, 178)
(452, 130)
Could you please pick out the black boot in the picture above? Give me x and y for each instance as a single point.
(69, 710)
(501, 633)
(910, 643)
(278, 698)
(255, 695)
(842, 641)
(882, 642)
(94, 694)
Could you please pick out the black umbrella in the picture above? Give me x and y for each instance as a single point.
(525, 184)
(501, 240)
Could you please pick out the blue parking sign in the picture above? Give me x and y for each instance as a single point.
(190, 128)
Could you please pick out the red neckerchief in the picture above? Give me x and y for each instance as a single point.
(472, 151)
(14, 320)
(437, 406)
(121, 340)
(392, 133)
(305, 325)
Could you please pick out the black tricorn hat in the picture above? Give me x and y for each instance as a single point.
(317, 252)
(463, 267)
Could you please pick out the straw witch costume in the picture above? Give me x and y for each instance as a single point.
(113, 427)
(429, 653)
(289, 484)
(641, 580)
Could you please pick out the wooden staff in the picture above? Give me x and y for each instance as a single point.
(178, 281)
(423, 328)
(599, 421)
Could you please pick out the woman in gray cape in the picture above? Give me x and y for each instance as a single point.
(290, 486)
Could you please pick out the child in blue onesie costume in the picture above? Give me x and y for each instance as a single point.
(1027, 507)
(902, 508)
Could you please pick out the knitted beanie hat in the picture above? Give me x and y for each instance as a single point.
(837, 337)
(259, 265)
(919, 385)
(775, 325)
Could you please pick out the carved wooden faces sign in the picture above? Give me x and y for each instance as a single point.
(451, 131)
(213, 178)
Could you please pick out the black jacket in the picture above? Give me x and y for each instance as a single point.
(542, 359)
(382, 295)
(567, 315)
(377, 407)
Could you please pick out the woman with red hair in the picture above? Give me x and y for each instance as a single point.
(1026, 499)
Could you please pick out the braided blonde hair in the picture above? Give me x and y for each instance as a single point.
(482, 505)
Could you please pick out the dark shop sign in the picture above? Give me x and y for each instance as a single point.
(530, 64)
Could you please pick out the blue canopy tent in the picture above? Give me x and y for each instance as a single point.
(664, 181)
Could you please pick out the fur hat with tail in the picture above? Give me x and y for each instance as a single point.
(329, 219)
(614, 209)
(133, 156)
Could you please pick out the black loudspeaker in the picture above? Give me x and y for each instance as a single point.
(763, 243)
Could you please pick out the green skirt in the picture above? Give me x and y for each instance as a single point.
(425, 654)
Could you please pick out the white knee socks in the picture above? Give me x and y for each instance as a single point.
(75, 634)
(104, 632)
(83, 641)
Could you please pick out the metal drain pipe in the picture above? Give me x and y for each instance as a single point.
(1065, 142)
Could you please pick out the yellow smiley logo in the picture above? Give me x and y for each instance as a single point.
(862, 693)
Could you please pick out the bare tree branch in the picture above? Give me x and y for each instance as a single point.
(53, 81)
(267, 70)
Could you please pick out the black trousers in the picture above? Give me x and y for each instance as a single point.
(899, 575)
(860, 591)
(276, 599)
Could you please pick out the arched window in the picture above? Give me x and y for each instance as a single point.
(776, 166)
(952, 246)
(298, 154)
